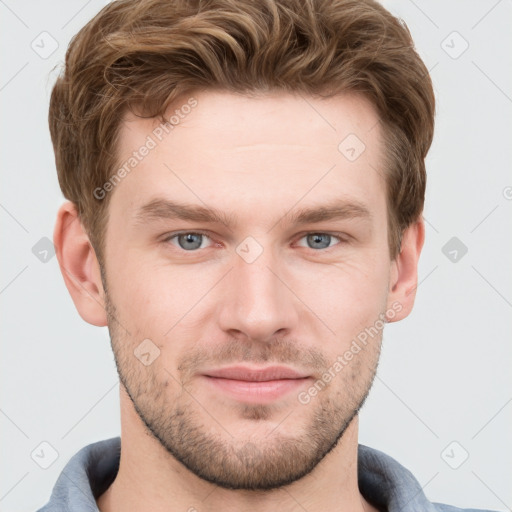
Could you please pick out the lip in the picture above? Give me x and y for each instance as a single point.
(256, 385)
(245, 373)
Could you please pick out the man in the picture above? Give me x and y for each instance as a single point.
(245, 185)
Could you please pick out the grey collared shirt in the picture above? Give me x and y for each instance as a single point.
(382, 481)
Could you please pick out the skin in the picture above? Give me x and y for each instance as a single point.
(298, 304)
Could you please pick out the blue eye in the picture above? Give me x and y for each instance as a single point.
(189, 241)
(320, 240)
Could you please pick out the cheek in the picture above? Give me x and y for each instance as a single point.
(156, 297)
(160, 297)
(348, 296)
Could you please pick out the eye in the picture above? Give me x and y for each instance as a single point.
(189, 241)
(321, 240)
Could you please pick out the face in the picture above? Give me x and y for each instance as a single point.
(246, 252)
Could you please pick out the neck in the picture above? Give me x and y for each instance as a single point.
(149, 478)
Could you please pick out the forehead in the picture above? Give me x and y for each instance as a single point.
(230, 118)
(235, 152)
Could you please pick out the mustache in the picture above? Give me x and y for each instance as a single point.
(276, 351)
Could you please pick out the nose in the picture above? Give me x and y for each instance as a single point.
(257, 301)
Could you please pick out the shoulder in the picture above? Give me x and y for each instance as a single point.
(441, 507)
(386, 483)
(86, 475)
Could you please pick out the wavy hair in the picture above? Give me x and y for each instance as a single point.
(145, 54)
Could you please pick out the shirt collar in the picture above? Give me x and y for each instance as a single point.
(382, 480)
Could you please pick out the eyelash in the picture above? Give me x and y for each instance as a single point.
(342, 238)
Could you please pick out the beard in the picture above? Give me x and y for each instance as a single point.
(190, 431)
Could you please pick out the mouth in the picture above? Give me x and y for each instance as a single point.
(256, 385)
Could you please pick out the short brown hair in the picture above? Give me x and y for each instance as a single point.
(148, 53)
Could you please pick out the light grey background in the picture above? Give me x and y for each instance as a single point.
(445, 373)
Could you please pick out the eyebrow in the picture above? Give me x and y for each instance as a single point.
(336, 210)
(162, 209)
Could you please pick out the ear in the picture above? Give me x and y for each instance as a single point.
(404, 272)
(79, 265)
